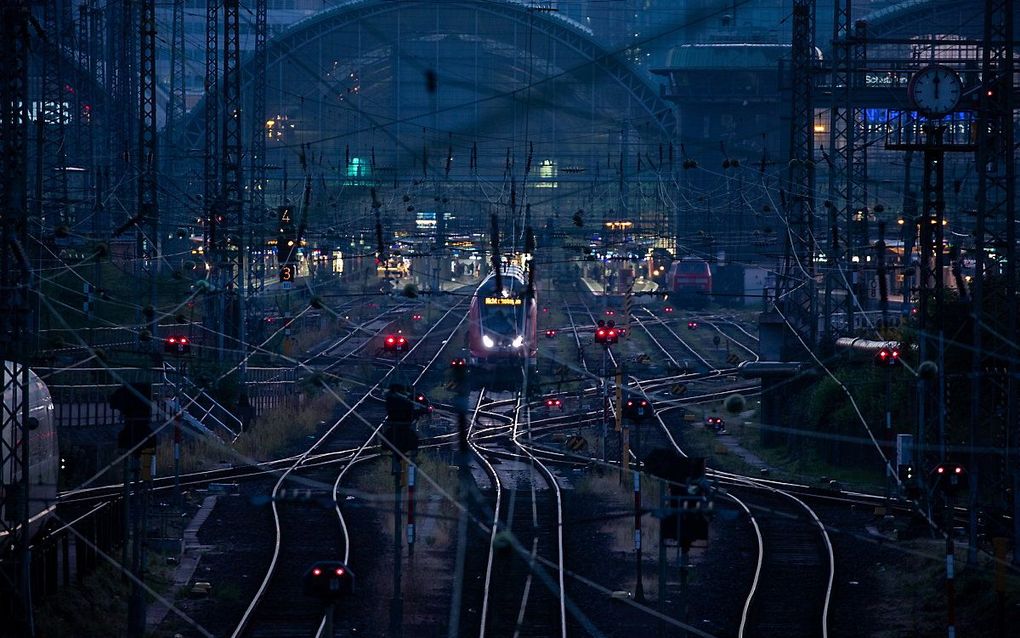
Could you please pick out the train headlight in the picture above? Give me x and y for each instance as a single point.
(518, 341)
(488, 342)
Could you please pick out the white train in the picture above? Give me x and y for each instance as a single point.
(43, 453)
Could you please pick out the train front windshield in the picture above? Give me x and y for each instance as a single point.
(502, 317)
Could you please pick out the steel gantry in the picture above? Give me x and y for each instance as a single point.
(16, 286)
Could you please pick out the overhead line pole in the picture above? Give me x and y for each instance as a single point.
(148, 206)
(996, 216)
(796, 289)
(257, 203)
(229, 256)
(212, 318)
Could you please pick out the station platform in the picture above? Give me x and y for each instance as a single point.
(641, 286)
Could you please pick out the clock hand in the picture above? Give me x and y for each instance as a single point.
(937, 82)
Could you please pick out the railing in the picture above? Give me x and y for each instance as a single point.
(199, 404)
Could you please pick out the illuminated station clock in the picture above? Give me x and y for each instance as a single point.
(935, 90)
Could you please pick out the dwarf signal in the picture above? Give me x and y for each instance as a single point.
(637, 409)
(395, 343)
(887, 357)
(607, 333)
(177, 344)
(949, 476)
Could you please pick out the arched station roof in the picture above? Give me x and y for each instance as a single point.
(909, 18)
(355, 79)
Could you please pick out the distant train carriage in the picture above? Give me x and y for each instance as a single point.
(502, 323)
(690, 282)
(42, 445)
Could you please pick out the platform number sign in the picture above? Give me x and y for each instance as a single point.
(287, 275)
(286, 245)
(286, 218)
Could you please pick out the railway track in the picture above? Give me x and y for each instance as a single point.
(279, 605)
(521, 596)
(792, 589)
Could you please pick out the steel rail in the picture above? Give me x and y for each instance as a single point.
(257, 598)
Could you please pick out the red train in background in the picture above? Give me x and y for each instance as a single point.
(502, 323)
(690, 282)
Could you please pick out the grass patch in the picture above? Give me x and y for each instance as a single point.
(269, 435)
(98, 606)
(915, 596)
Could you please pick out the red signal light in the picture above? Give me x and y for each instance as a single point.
(940, 469)
(668, 309)
(316, 572)
(339, 571)
(958, 469)
(390, 340)
(184, 340)
(172, 340)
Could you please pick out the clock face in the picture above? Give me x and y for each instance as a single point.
(935, 90)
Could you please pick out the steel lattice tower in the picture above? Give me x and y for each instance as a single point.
(148, 205)
(995, 370)
(123, 119)
(51, 125)
(841, 145)
(15, 307)
(176, 107)
(257, 208)
(213, 318)
(228, 255)
(795, 291)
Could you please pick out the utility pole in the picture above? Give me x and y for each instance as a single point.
(16, 286)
